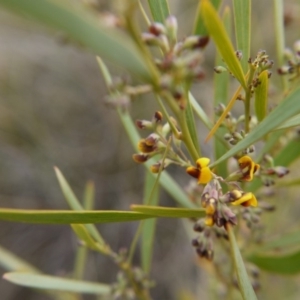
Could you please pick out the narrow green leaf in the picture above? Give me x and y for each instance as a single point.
(242, 276)
(56, 283)
(289, 153)
(89, 196)
(271, 141)
(83, 234)
(292, 122)
(166, 181)
(284, 241)
(221, 81)
(191, 125)
(278, 263)
(169, 212)
(70, 217)
(261, 95)
(286, 183)
(221, 86)
(67, 191)
(199, 27)
(148, 232)
(159, 10)
(85, 28)
(80, 262)
(74, 203)
(218, 32)
(279, 36)
(11, 262)
(242, 24)
(203, 117)
(285, 110)
(200, 112)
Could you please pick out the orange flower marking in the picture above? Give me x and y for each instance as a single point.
(248, 167)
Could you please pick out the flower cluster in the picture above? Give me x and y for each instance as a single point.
(180, 61)
(159, 143)
(292, 67)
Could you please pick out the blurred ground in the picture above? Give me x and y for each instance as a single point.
(52, 112)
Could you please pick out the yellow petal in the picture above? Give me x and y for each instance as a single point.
(245, 160)
(246, 197)
(209, 221)
(202, 162)
(253, 201)
(205, 175)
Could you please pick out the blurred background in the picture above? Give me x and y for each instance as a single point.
(53, 113)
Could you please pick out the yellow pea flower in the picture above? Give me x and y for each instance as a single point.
(202, 172)
(248, 167)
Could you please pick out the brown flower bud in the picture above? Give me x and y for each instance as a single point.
(157, 29)
(281, 171)
(140, 158)
(199, 225)
(144, 147)
(143, 124)
(239, 54)
(158, 116)
(155, 167)
(152, 139)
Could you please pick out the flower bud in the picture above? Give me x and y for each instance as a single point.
(199, 225)
(229, 215)
(155, 167)
(195, 243)
(158, 116)
(195, 41)
(210, 206)
(237, 136)
(144, 147)
(297, 47)
(143, 124)
(140, 158)
(157, 29)
(172, 27)
(284, 70)
(227, 136)
(288, 54)
(166, 129)
(151, 39)
(152, 139)
(239, 54)
(220, 69)
(281, 171)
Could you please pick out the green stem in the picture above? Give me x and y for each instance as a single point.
(186, 137)
(80, 262)
(181, 118)
(248, 96)
(165, 113)
(280, 44)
